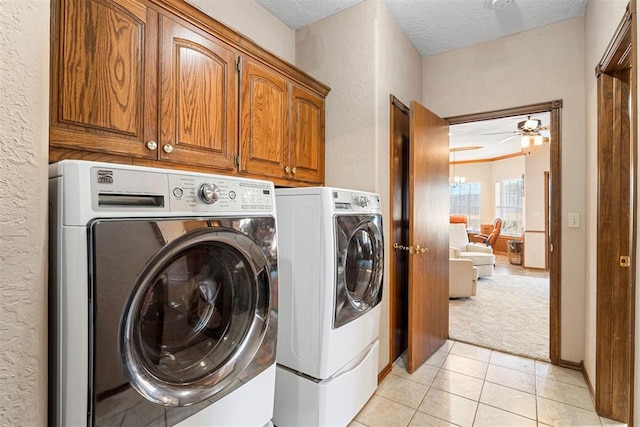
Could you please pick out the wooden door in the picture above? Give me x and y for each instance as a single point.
(615, 295)
(399, 231)
(617, 224)
(428, 229)
(306, 148)
(104, 77)
(264, 121)
(198, 98)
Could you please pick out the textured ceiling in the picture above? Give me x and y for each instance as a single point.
(436, 26)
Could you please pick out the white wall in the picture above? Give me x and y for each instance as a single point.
(496, 75)
(24, 136)
(252, 20)
(601, 20)
(364, 57)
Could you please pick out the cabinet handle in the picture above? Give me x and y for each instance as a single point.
(293, 170)
(152, 145)
(168, 148)
(287, 169)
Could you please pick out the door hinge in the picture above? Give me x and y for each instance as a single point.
(239, 64)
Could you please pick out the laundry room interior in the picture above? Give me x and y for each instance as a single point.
(211, 207)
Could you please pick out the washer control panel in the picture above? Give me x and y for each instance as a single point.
(355, 201)
(115, 188)
(219, 194)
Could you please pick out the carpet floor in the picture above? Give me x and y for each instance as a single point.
(509, 313)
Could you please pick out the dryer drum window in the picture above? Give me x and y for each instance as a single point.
(196, 317)
(359, 259)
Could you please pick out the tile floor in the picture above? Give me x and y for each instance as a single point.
(465, 385)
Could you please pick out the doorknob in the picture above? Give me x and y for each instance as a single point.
(413, 250)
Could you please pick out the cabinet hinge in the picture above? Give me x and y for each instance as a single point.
(239, 64)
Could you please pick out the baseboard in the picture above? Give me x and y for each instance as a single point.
(588, 381)
(578, 366)
(385, 371)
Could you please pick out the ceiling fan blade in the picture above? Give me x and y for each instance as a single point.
(506, 139)
(495, 133)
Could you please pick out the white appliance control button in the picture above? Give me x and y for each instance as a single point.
(177, 192)
(208, 193)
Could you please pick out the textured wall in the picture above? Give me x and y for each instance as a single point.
(600, 22)
(495, 75)
(24, 103)
(364, 57)
(252, 20)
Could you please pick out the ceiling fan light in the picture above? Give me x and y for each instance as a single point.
(531, 124)
(524, 141)
(537, 140)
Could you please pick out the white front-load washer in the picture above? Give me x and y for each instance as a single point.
(331, 257)
(162, 297)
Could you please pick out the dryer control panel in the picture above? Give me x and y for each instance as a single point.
(351, 201)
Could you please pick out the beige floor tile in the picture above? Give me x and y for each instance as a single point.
(564, 392)
(488, 416)
(381, 412)
(559, 373)
(559, 414)
(423, 375)
(356, 424)
(513, 362)
(464, 365)
(608, 422)
(447, 345)
(471, 351)
(402, 390)
(510, 400)
(449, 407)
(420, 419)
(459, 384)
(511, 378)
(438, 357)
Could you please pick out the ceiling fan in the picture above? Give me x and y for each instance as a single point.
(527, 128)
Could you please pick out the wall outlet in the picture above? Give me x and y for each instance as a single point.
(574, 220)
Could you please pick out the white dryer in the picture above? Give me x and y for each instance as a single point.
(162, 297)
(331, 260)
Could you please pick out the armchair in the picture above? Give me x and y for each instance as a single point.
(463, 275)
(490, 239)
(481, 255)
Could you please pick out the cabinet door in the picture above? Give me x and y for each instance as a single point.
(263, 121)
(198, 98)
(307, 135)
(103, 77)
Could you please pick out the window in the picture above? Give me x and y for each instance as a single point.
(509, 195)
(465, 200)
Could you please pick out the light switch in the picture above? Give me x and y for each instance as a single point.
(574, 220)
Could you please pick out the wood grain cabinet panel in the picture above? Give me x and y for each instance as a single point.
(307, 135)
(264, 111)
(198, 98)
(102, 78)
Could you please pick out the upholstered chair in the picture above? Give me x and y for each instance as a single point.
(463, 276)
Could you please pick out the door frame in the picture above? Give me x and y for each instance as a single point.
(554, 247)
(615, 305)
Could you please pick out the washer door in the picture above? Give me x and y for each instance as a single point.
(360, 259)
(196, 317)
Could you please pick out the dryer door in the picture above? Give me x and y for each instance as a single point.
(360, 259)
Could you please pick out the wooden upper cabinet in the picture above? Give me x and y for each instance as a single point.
(103, 77)
(307, 135)
(156, 83)
(198, 98)
(264, 111)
